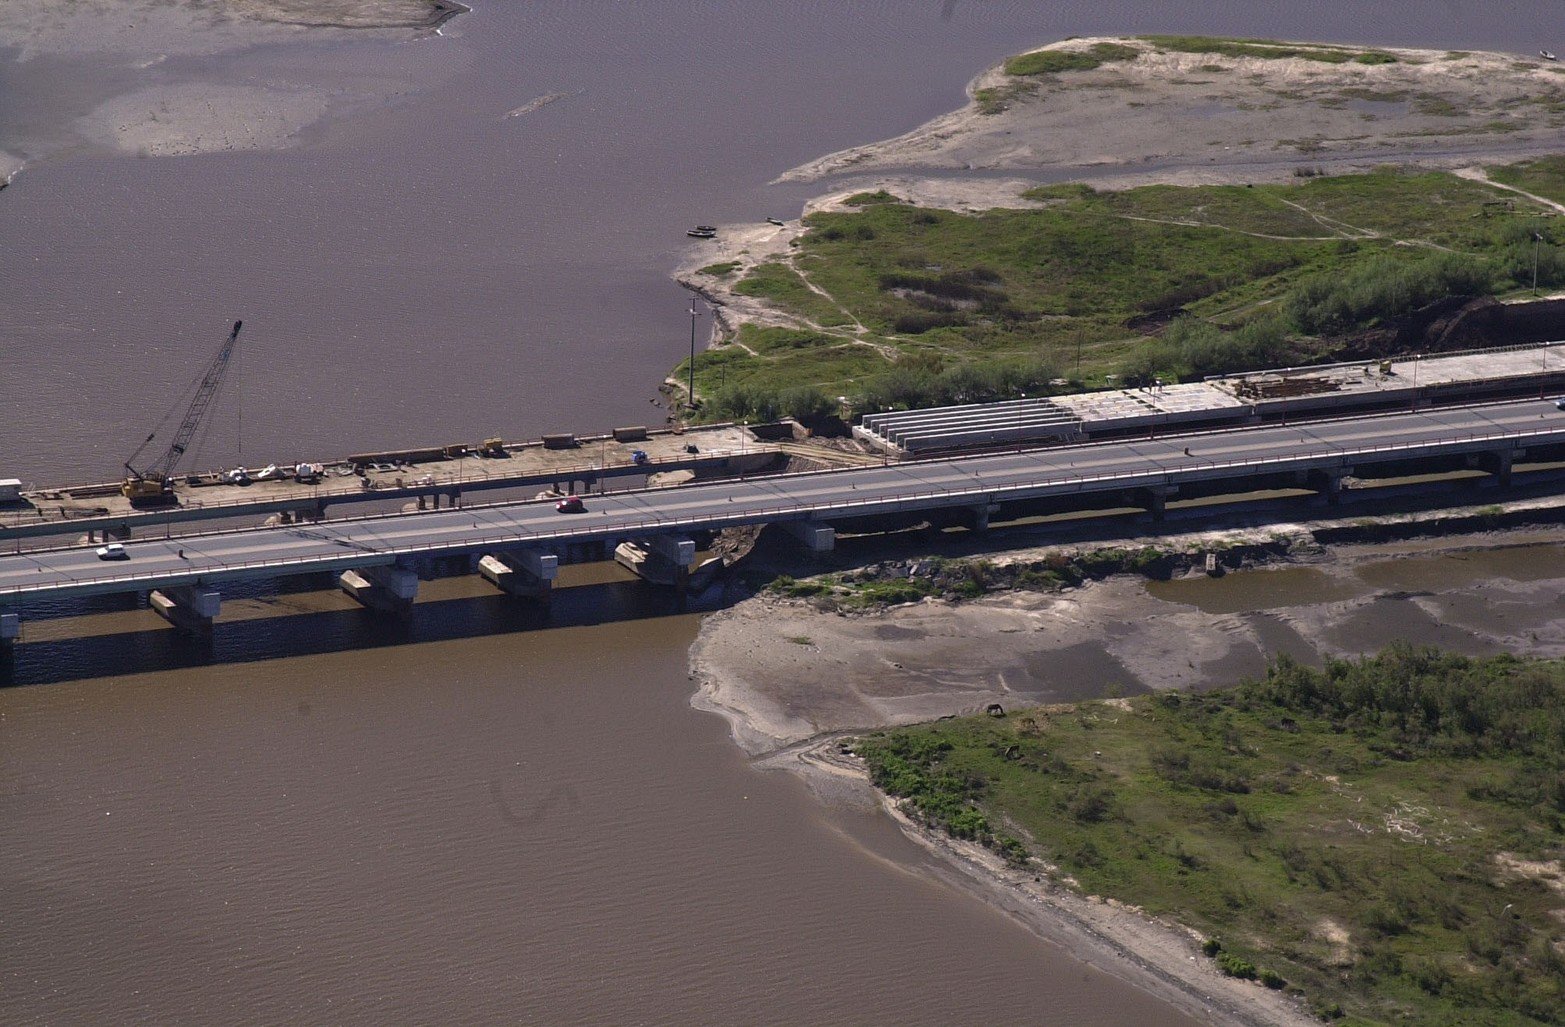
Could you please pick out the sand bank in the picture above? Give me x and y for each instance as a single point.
(1196, 118)
(138, 77)
(793, 681)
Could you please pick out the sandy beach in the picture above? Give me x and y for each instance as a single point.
(141, 87)
(794, 681)
(1197, 118)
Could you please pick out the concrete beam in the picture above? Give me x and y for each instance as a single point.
(529, 573)
(388, 589)
(10, 628)
(813, 535)
(190, 608)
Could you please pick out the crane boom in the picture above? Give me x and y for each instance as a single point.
(155, 482)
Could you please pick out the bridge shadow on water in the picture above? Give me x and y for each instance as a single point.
(263, 638)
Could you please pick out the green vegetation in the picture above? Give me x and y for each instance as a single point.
(1051, 62)
(721, 270)
(1385, 834)
(868, 199)
(782, 285)
(1268, 49)
(1544, 176)
(913, 306)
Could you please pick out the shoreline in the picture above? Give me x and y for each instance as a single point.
(1156, 956)
(1163, 118)
(883, 671)
(1221, 118)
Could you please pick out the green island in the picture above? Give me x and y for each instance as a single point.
(893, 305)
(1382, 835)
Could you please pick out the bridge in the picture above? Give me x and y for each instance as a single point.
(522, 542)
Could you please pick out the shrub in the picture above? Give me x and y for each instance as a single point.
(1384, 288)
(1233, 966)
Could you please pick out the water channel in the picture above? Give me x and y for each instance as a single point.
(487, 816)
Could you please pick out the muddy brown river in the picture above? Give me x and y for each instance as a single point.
(487, 816)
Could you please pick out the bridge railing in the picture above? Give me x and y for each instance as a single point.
(408, 490)
(1057, 481)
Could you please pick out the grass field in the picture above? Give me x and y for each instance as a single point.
(1384, 835)
(1068, 284)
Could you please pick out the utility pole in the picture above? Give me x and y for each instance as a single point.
(691, 396)
(1537, 237)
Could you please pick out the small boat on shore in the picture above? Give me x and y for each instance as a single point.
(703, 232)
(775, 221)
(1546, 55)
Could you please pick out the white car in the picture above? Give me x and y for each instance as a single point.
(113, 551)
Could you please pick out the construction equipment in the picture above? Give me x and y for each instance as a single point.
(154, 483)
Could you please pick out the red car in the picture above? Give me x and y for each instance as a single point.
(571, 504)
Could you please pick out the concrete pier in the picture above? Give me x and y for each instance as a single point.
(1154, 499)
(660, 560)
(387, 589)
(529, 573)
(815, 536)
(10, 628)
(190, 608)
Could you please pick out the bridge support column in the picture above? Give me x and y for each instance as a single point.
(1327, 485)
(10, 629)
(661, 559)
(529, 573)
(813, 535)
(190, 608)
(387, 589)
(1154, 499)
(1499, 465)
(978, 516)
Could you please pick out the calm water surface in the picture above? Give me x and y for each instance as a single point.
(485, 817)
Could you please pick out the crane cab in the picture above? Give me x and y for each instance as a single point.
(147, 491)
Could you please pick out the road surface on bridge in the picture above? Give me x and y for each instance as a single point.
(923, 485)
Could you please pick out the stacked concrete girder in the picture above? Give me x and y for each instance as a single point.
(1026, 420)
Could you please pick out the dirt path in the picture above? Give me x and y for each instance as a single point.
(1480, 175)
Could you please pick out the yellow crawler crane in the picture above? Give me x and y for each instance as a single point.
(154, 483)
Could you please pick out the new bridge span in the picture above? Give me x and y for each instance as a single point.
(377, 554)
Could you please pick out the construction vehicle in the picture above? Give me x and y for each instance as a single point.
(153, 483)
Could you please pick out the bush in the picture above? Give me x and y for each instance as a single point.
(1384, 288)
(1233, 966)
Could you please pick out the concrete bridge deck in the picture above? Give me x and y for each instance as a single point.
(93, 508)
(1324, 451)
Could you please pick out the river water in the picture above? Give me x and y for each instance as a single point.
(486, 815)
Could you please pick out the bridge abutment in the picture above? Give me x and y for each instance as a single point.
(10, 629)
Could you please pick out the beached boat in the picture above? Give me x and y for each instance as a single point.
(1546, 55)
(775, 221)
(703, 232)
